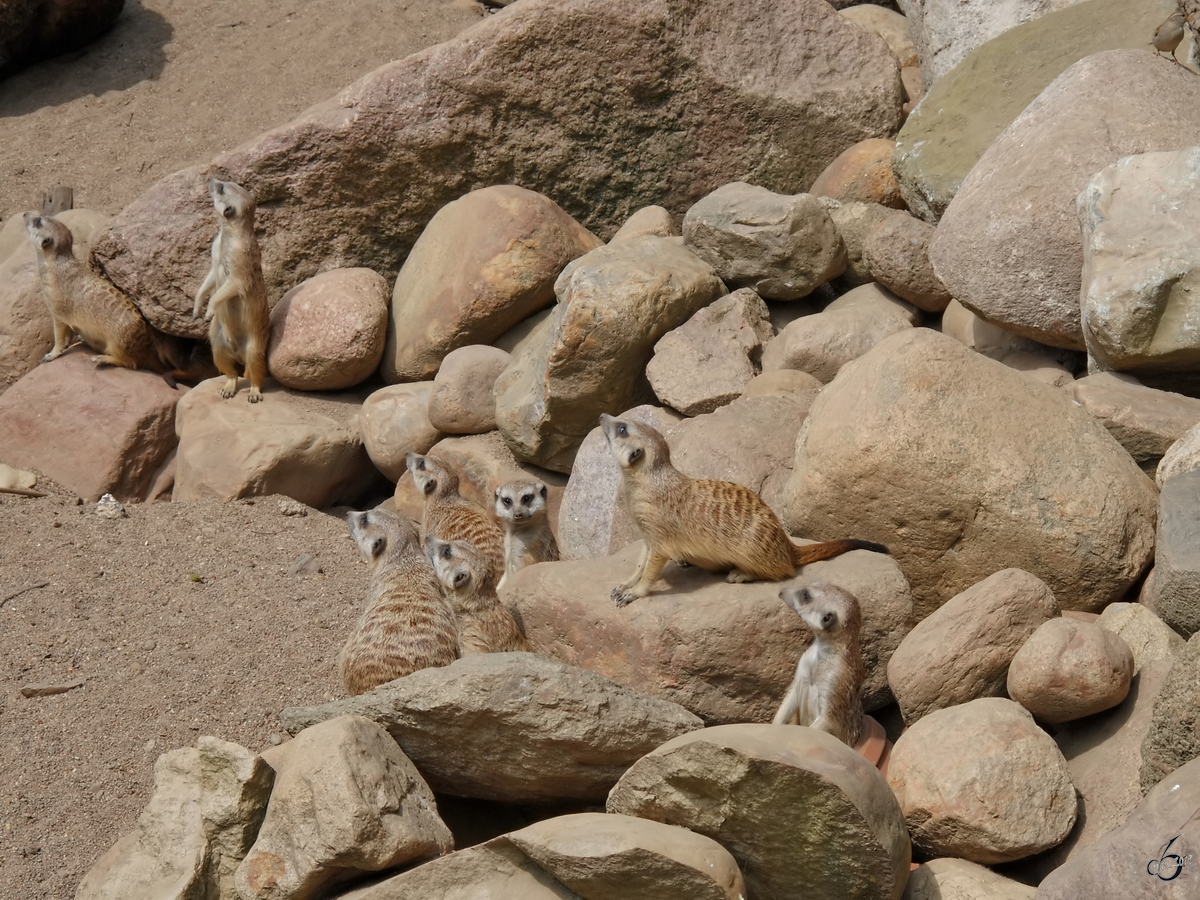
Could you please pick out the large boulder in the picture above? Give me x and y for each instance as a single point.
(1175, 590)
(1008, 246)
(463, 400)
(1173, 737)
(1146, 421)
(863, 172)
(685, 97)
(1182, 456)
(547, 731)
(802, 813)
(947, 457)
(1150, 639)
(889, 25)
(394, 421)
(959, 879)
(614, 305)
(32, 30)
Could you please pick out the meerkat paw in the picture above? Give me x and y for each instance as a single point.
(255, 395)
(51, 356)
(623, 597)
(737, 576)
(229, 389)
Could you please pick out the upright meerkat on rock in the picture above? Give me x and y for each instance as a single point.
(448, 516)
(484, 624)
(236, 292)
(826, 693)
(407, 622)
(716, 525)
(522, 507)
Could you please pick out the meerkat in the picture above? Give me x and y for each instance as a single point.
(826, 693)
(407, 623)
(448, 516)
(528, 538)
(235, 292)
(715, 525)
(484, 624)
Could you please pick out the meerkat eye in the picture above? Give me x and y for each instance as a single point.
(508, 501)
(527, 499)
(634, 455)
(622, 430)
(446, 551)
(827, 620)
(804, 596)
(421, 463)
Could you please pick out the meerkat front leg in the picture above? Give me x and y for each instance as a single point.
(789, 709)
(655, 562)
(210, 280)
(62, 340)
(643, 556)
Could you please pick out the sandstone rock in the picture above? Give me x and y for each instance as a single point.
(346, 801)
(1173, 737)
(647, 221)
(982, 782)
(707, 361)
(1008, 246)
(923, 437)
(982, 336)
(609, 857)
(327, 333)
(1146, 421)
(1175, 594)
(550, 731)
(395, 420)
(301, 445)
(959, 879)
(961, 652)
(613, 306)
(1182, 456)
(897, 256)
(93, 429)
(1070, 669)
(854, 221)
(782, 246)
(863, 172)
(1041, 366)
(889, 25)
(32, 30)
(463, 401)
(944, 137)
(235, 786)
(727, 652)
(913, 82)
(784, 383)
(1149, 638)
(777, 88)
(1140, 264)
(802, 813)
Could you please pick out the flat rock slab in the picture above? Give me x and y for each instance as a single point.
(549, 731)
(1173, 737)
(1146, 421)
(1175, 590)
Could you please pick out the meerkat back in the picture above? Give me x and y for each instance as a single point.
(522, 508)
(448, 516)
(485, 624)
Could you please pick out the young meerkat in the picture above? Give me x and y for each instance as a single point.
(484, 624)
(236, 293)
(448, 516)
(715, 525)
(407, 623)
(522, 507)
(826, 693)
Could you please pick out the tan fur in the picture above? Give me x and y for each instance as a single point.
(826, 693)
(528, 538)
(467, 577)
(407, 624)
(236, 292)
(716, 525)
(449, 517)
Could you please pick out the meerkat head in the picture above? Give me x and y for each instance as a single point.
(380, 534)
(431, 476)
(831, 612)
(230, 199)
(459, 566)
(521, 501)
(634, 445)
(48, 236)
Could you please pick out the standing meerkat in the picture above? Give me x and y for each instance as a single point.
(236, 292)
(448, 516)
(484, 624)
(715, 525)
(826, 693)
(522, 507)
(407, 623)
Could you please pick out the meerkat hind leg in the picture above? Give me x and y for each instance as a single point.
(256, 371)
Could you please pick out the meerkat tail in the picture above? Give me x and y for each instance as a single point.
(811, 553)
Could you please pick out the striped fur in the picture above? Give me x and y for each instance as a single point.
(484, 624)
(448, 516)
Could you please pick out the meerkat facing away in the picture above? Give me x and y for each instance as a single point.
(522, 507)
(484, 624)
(236, 292)
(450, 517)
(715, 525)
(826, 692)
(407, 623)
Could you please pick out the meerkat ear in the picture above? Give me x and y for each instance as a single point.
(430, 486)
(461, 578)
(634, 455)
(542, 490)
(496, 494)
(378, 545)
(46, 242)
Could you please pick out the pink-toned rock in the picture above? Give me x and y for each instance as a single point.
(862, 172)
(327, 333)
(784, 383)
(1146, 421)
(649, 220)
(889, 25)
(395, 420)
(1070, 669)
(897, 256)
(957, 879)
(93, 429)
(463, 400)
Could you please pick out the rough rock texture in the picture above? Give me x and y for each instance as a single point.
(862, 173)
(484, 263)
(1182, 456)
(783, 246)
(854, 221)
(889, 25)
(1174, 735)
(463, 399)
(959, 879)
(1146, 421)
(962, 651)
(32, 30)
(549, 731)
(802, 813)
(614, 305)
(346, 801)
(727, 652)
(1070, 669)
(981, 335)
(1141, 266)
(708, 360)
(327, 333)
(1008, 246)
(897, 256)
(93, 429)
(307, 447)
(649, 220)
(943, 138)
(395, 420)
(1150, 639)
(687, 96)
(982, 782)
(947, 457)
(784, 383)
(1175, 593)
(1140, 859)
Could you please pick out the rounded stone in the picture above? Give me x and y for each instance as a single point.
(462, 400)
(863, 173)
(395, 420)
(897, 256)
